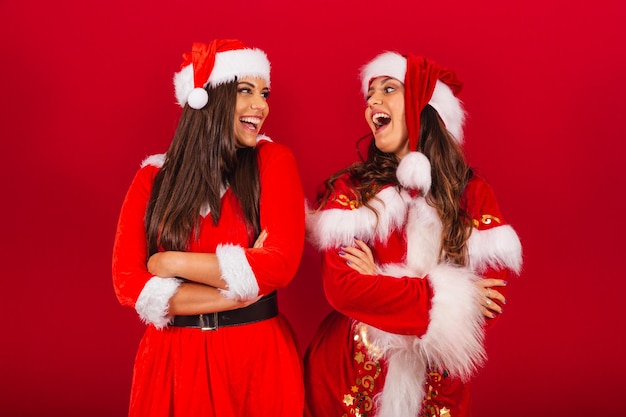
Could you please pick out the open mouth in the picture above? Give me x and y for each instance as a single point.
(381, 119)
(250, 123)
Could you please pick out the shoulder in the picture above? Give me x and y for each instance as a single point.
(479, 201)
(155, 160)
(267, 147)
(149, 167)
(342, 217)
(493, 243)
(270, 152)
(477, 184)
(342, 194)
(141, 183)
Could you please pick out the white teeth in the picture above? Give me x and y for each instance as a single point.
(252, 120)
(380, 118)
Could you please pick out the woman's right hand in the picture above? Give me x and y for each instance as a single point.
(359, 258)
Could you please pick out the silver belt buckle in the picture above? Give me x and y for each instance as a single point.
(205, 322)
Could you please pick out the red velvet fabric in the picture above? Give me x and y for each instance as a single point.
(202, 56)
(251, 370)
(419, 83)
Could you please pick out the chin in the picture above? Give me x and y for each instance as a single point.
(246, 142)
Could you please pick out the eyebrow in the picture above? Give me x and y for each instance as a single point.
(383, 82)
(250, 84)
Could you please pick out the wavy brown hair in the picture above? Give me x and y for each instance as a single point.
(202, 159)
(449, 172)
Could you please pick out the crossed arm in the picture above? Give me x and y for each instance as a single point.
(200, 293)
(361, 259)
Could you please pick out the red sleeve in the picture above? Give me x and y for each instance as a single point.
(481, 204)
(130, 272)
(396, 305)
(282, 208)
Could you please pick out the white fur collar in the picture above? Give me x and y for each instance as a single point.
(335, 227)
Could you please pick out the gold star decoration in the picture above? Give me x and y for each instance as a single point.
(359, 357)
(348, 399)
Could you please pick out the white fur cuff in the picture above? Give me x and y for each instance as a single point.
(153, 302)
(236, 271)
(455, 336)
(499, 247)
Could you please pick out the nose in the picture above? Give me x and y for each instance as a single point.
(258, 103)
(374, 99)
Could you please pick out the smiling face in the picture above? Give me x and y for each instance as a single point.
(385, 115)
(251, 110)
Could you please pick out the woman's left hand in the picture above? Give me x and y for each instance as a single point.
(359, 258)
(260, 240)
(488, 306)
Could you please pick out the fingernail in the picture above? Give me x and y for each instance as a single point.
(348, 263)
(505, 282)
(343, 246)
(341, 253)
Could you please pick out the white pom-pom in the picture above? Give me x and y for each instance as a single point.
(414, 172)
(198, 98)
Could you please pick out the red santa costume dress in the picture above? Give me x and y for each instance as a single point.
(404, 342)
(252, 369)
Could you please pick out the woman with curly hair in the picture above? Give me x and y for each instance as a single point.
(405, 237)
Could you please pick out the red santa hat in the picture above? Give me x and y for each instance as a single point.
(219, 62)
(425, 82)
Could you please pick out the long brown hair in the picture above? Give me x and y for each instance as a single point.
(202, 160)
(449, 171)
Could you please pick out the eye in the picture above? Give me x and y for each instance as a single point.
(389, 89)
(265, 94)
(245, 90)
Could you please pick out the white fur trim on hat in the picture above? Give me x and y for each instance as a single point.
(236, 271)
(240, 63)
(153, 302)
(228, 65)
(449, 107)
(390, 64)
(414, 172)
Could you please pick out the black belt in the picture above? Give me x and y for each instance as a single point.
(265, 308)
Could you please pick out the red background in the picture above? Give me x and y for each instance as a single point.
(87, 94)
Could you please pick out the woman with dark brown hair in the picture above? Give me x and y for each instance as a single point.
(207, 234)
(405, 237)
